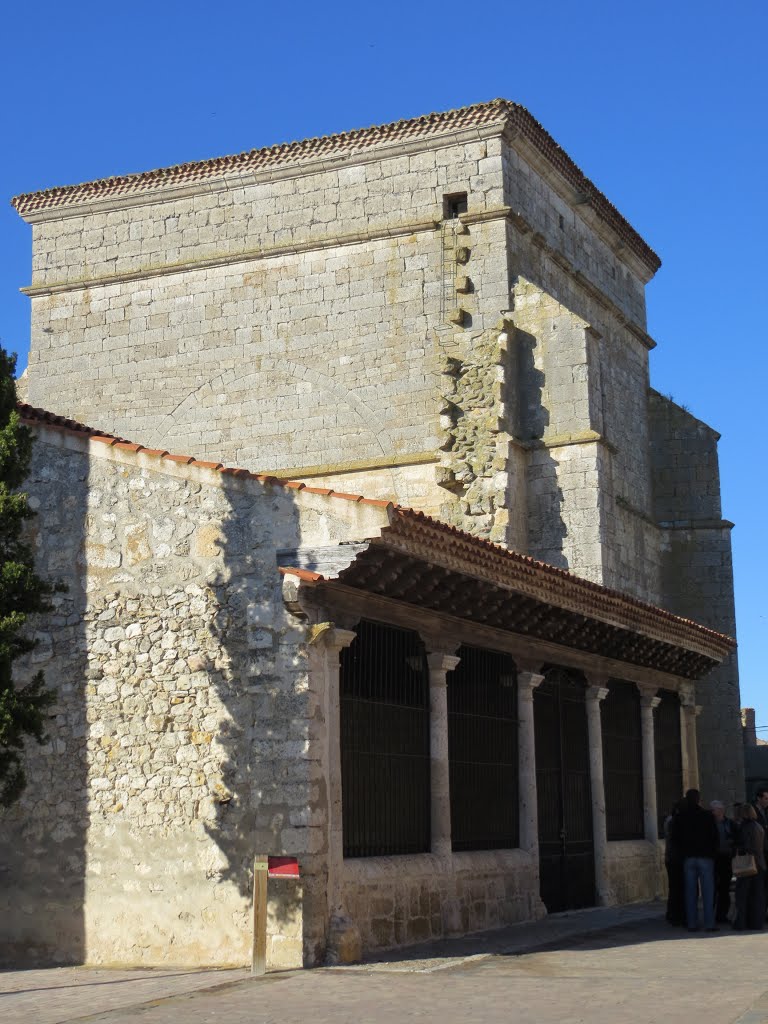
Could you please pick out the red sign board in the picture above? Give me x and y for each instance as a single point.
(283, 867)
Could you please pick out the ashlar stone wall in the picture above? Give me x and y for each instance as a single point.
(697, 578)
(283, 324)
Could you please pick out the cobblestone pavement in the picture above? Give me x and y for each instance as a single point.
(599, 967)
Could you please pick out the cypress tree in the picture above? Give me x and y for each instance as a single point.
(22, 593)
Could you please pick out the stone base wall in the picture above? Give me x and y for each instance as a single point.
(635, 871)
(398, 901)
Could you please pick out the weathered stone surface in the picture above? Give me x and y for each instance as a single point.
(171, 756)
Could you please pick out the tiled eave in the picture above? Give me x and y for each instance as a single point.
(478, 120)
(425, 565)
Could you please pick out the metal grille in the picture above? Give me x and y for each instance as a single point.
(385, 775)
(482, 751)
(566, 850)
(623, 761)
(669, 754)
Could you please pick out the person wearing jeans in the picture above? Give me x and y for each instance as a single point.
(695, 832)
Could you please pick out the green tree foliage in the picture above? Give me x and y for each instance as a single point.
(22, 593)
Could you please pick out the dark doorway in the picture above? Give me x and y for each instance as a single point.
(566, 853)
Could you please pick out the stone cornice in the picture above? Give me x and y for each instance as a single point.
(695, 524)
(356, 466)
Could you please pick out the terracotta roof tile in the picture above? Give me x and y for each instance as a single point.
(398, 513)
(502, 112)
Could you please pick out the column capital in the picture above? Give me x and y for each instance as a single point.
(697, 709)
(532, 665)
(441, 661)
(597, 693)
(686, 693)
(326, 634)
(647, 689)
(527, 683)
(647, 700)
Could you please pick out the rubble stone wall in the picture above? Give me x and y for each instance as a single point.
(185, 737)
(403, 900)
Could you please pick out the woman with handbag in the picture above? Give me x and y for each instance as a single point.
(749, 868)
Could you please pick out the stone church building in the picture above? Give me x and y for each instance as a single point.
(440, 603)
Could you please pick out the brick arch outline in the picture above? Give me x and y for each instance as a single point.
(287, 367)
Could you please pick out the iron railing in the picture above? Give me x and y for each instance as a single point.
(482, 750)
(623, 761)
(566, 852)
(669, 754)
(385, 763)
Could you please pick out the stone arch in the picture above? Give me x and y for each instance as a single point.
(279, 414)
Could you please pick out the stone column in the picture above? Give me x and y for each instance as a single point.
(596, 693)
(690, 712)
(527, 682)
(440, 664)
(648, 703)
(343, 936)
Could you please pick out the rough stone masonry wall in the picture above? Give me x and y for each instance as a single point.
(697, 578)
(180, 743)
(308, 338)
(398, 901)
(635, 871)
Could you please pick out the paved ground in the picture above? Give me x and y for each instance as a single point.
(594, 967)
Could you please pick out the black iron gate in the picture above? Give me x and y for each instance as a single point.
(669, 755)
(566, 851)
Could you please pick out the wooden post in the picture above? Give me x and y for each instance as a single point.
(259, 949)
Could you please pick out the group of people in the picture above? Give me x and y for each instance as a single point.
(700, 849)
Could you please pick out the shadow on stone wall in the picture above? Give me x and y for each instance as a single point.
(546, 526)
(266, 790)
(43, 836)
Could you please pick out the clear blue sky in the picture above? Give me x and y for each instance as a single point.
(662, 104)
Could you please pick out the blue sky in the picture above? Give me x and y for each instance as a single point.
(662, 104)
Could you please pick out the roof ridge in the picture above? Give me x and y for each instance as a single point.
(475, 115)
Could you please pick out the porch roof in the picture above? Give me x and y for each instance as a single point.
(427, 564)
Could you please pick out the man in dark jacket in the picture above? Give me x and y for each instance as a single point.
(695, 832)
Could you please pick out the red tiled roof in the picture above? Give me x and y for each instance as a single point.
(351, 143)
(476, 547)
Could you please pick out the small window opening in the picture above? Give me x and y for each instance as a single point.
(613, 272)
(454, 205)
(562, 222)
